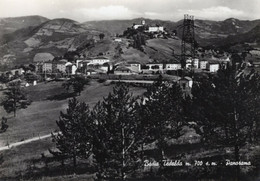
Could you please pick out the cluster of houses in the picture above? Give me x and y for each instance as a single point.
(149, 68)
(97, 65)
(60, 66)
(102, 65)
(82, 65)
(17, 75)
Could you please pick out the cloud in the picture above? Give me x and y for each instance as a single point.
(108, 12)
(84, 10)
(216, 13)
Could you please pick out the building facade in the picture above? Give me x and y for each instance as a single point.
(172, 66)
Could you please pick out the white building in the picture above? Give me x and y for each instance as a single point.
(98, 60)
(188, 63)
(71, 68)
(155, 29)
(213, 67)
(19, 71)
(91, 61)
(137, 26)
(82, 63)
(155, 66)
(134, 66)
(196, 63)
(192, 63)
(118, 40)
(173, 66)
(203, 64)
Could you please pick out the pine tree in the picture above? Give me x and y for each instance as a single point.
(226, 109)
(143, 128)
(74, 138)
(115, 142)
(14, 99)
(100, 138)
(163, 113)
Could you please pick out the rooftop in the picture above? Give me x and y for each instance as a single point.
(155, 63)
(122, 68)
(98, 57)
(133, 62)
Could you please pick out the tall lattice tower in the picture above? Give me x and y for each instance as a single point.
(188, 40)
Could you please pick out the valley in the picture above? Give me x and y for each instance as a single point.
(121, 93)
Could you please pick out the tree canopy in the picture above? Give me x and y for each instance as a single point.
(14, 98)
(115, 136)
(77, 83)
(74, 140)
(225, 109)
(163, 113)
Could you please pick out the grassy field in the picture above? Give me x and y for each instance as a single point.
(162, 49)
(40, 117)
(17, 160)
(18, 163)
(132, 54)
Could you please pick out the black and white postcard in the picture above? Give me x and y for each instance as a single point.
(136, 90)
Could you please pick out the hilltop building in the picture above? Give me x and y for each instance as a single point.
(153, 29)
(135, 26)
(149, 29)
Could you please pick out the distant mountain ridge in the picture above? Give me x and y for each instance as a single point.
(205, 29)
(251, 37)
(31, 35)
(9, 25)
(55, 37)
(118, 26)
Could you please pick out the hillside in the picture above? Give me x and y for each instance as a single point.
(54, 36)
(9, 25)
(214, 29)
(155, 50)
(163, 50)
(253, 36)
(239, 42)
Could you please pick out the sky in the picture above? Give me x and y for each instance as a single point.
(173, 10)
